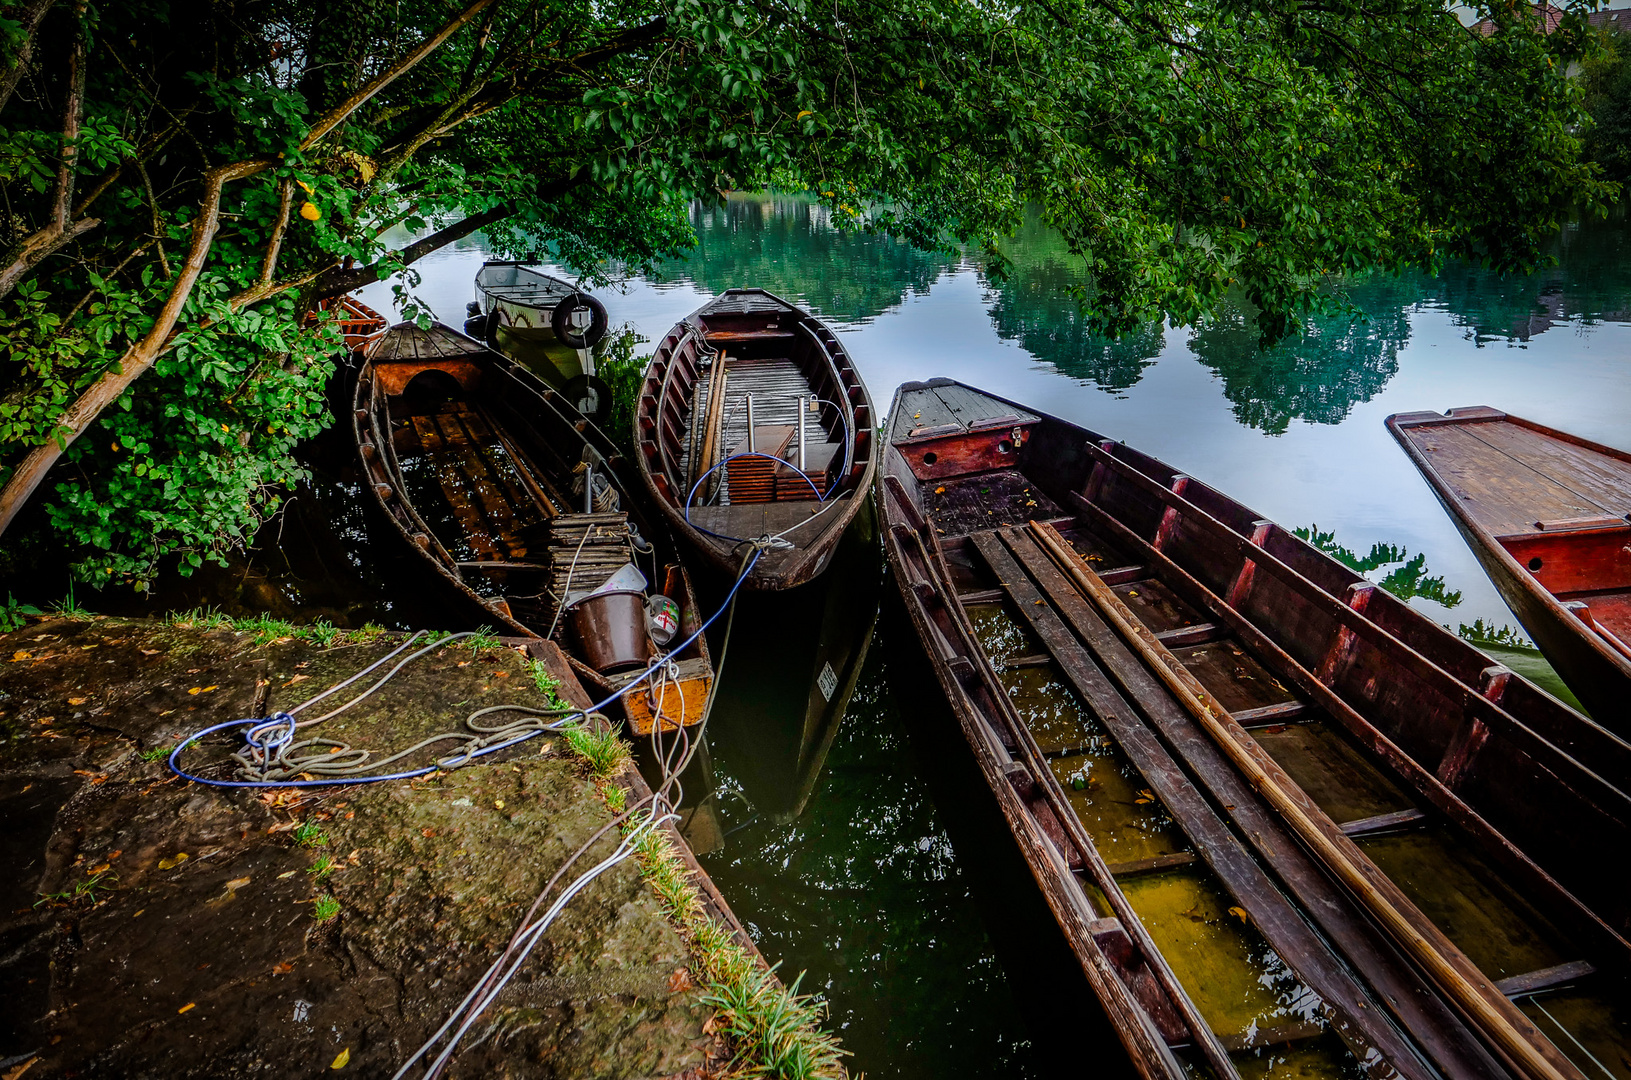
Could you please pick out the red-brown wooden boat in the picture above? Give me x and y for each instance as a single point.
(752, 422)
(358, 323)
(1213, 743)
(472, 458)
(1549, 516)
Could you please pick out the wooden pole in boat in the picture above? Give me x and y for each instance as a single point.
(710, 422)
(1497, 1017)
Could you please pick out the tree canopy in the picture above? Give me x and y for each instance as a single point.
(186, 180)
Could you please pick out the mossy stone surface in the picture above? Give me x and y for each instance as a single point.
(214, 965)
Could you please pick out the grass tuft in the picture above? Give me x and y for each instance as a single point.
(82, 890)
(309, 834)
(325, 908)
(600, 747)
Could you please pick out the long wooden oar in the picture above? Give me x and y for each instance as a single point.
(1448, 967)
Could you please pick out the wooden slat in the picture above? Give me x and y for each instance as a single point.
(1507, 1028)
(1286, 712)
(1533, 982)
(1152, 864)
(981, 596)
(1364, 1021)
(1398, 819)
(1198, 634)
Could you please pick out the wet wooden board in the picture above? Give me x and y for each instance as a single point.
(1280, 922)
(1440, 1034)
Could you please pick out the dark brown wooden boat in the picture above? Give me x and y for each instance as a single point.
(480, 468)
(1275, 814)
(753, 423)
(1549, 516)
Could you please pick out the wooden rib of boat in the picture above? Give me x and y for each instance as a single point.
(752, 422)
(473, 460)
(1549, 516)
(1213, 744)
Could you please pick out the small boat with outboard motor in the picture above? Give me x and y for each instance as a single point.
(547, 323)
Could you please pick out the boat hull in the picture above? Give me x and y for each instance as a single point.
(1304, 703)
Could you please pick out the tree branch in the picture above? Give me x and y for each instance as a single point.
(138, 358)
(340, 112)
(29, 252)
(31, 20)
(338, 282)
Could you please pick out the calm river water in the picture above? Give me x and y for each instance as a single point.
(862, 891)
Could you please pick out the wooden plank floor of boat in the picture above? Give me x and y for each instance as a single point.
(1509, 476)
(1235, 833)
(482, 485)
(1233, 842)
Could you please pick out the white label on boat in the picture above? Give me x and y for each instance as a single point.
(827, 680)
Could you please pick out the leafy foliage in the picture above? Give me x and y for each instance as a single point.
(1607, 78)
(185, 182)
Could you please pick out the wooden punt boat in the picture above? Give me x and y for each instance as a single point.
(752, 422)
(473, 461)
(1549, 516)
(536, 318)
(1275, 815)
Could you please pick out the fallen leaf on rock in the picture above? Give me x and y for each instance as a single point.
(189, 1005)
(498, 804)
(237, 883)
(283, 968)
(287, 874)
(148, 652)
(427, 833)
(297, 678)
(21, 654)
(78, 700)
(174, 861)
(342, 1059)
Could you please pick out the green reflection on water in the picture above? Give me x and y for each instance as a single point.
(785, 244)
(864, 892)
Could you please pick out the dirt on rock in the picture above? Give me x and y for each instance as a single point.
(151, 926)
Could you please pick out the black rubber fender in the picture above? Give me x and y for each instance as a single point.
(560, 321)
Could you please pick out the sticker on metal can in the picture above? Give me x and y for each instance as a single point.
(662, 618)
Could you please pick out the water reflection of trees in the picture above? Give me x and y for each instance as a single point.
(1319, 376)
(1589, 284)
(787, 244)
(1036, 307)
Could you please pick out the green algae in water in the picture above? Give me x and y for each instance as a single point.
(1000, 634)
(1244, 991)
(1467, 899)
(1124, 818)
(1339, 780)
